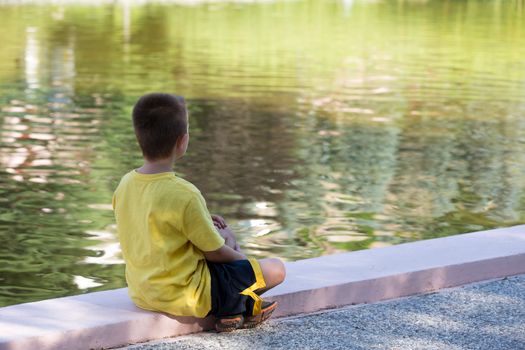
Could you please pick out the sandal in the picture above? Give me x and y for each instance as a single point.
(267, 309)
(229, 323)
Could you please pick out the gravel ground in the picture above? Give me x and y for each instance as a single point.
(489, 315)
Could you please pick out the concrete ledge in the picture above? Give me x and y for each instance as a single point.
(109, 319)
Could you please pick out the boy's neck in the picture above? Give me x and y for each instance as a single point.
(158, 166)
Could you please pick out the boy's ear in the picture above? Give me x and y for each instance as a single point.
(181, 140)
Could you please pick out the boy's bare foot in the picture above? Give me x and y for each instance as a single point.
(267, 309)
(229, 323)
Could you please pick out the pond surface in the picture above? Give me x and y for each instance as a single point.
(317, 127)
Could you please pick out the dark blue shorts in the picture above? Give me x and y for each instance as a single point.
(232, 288)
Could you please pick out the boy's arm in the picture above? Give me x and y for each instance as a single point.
(224, 254)
(229, 238)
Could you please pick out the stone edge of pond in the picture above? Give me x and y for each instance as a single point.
(109, 319)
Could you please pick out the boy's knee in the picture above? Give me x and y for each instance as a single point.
(274, 271)
(280, 270)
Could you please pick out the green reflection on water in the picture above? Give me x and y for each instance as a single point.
(317, 127)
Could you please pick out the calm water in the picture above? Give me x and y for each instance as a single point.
(316, 126)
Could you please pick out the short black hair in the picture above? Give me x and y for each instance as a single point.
(159, 119)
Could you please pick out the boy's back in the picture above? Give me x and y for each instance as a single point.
(163, 227)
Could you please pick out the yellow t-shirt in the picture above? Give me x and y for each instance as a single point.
(164, 226)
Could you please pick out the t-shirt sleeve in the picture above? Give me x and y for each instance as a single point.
(198, 226)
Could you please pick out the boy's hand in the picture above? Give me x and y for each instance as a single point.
(225, 232)
(229, 239)
(219, 222)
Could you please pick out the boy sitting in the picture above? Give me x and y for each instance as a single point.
(180, 259)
